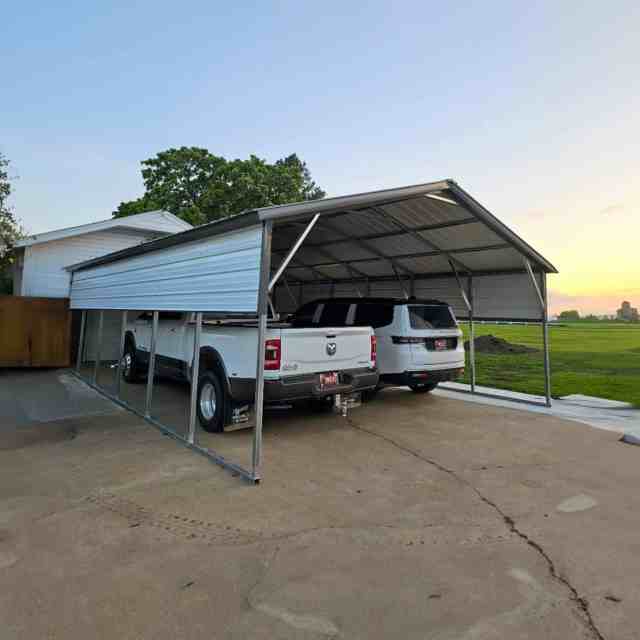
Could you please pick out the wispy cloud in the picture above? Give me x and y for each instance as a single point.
(612, 208)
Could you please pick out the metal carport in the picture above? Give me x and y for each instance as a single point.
(430, 240)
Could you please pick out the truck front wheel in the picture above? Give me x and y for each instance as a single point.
(210, 403)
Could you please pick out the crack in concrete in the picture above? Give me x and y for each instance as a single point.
(581, 603)
(302, 622)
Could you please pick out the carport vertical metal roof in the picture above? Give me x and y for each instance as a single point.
(417, 230)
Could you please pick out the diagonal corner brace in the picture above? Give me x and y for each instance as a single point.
(462, 291)
(534, 282)
(292, 252)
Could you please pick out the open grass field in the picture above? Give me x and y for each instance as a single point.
(596, 359)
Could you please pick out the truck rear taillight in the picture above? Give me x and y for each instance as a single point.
(374, 350)
(272, 354)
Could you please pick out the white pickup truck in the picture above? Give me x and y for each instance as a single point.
(300, 363)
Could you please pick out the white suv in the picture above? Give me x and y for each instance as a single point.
(419, 342)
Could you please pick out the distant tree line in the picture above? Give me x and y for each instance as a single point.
(200, 187)
(626, 313)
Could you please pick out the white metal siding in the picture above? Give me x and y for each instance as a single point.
(213, 274)
(44, 271)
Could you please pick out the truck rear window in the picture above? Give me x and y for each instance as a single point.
(334, 314)
(431, 317)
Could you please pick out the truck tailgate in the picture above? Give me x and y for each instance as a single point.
(316, 350)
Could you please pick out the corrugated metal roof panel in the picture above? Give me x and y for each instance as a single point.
(468, 235)
(494, 260)
(426, 265)
(423, 210)
(375, 268)
(399, 245)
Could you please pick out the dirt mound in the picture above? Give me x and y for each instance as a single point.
(492, 344)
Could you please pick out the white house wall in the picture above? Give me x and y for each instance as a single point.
(213, 274)
(44, 272)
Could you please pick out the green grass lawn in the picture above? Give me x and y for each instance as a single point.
(596, 359)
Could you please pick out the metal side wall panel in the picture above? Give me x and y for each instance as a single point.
(218, 274)
(445, 289)
(509, 297)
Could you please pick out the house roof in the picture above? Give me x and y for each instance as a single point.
(161, 222)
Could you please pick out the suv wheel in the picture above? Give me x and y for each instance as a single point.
(424, 387)
(210, 402)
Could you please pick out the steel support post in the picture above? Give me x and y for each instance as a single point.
(152, 365)
(472, 335)
(96, 364)
(195, 374)
(263, 293)
(123, 331)
(545, 341)
(83, 322)
(541, 293)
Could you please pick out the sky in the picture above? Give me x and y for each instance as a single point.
(534, 109)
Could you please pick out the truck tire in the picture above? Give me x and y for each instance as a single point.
(210, 402)
(423, 387)
(130, 365)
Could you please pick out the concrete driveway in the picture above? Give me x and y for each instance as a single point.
(417, 517)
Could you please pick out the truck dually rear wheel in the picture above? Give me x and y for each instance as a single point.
(210, 402)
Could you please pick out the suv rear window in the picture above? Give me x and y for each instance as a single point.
(431, 317)
(373, 315)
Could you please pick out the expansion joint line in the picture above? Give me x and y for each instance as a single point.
(580, 602)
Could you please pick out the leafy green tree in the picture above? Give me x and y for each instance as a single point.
(570, 315)
(199, 187)
(10, 229)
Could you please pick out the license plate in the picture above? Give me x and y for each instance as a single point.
(328, 379)
(441, 344)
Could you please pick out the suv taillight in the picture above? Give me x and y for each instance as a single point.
(374, 350)
(272, 354)
(406, 340)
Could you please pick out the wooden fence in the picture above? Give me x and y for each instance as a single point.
(34, 332)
